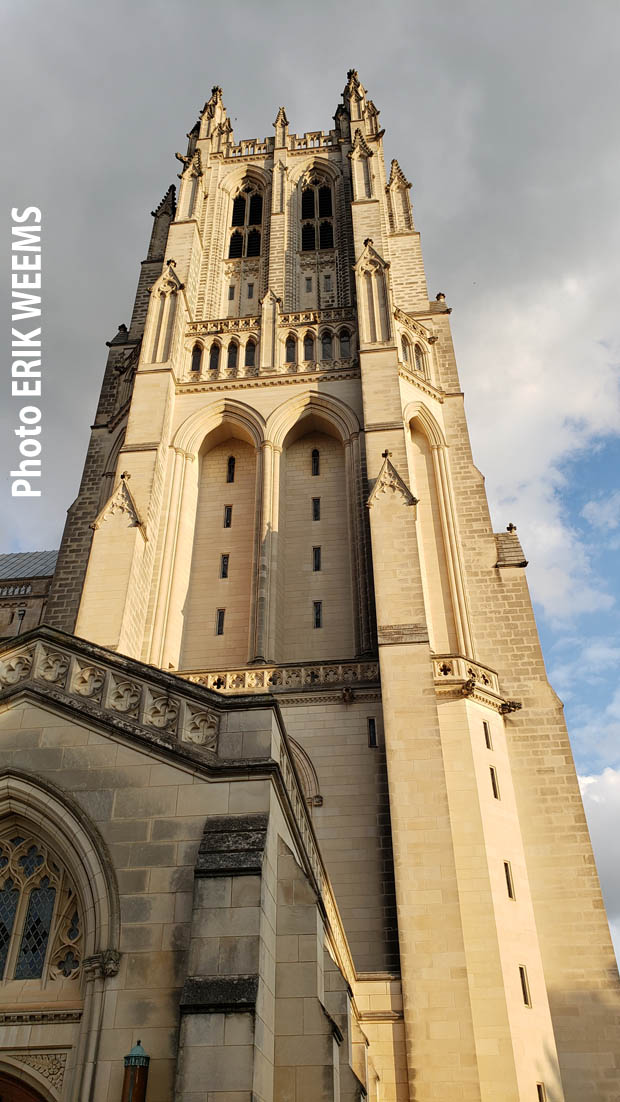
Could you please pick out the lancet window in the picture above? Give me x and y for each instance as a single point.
(246, 223)
(41, 925)
(317, 215)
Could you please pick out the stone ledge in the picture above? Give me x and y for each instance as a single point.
(232, 845)
(219, 994)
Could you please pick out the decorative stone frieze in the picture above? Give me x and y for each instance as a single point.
(276, 679)
(104, 689)
(50, 1065)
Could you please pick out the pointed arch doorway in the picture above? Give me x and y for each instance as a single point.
(12, 1090)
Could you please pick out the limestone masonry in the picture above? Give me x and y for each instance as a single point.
(284, 791)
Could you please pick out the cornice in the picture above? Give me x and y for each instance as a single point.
(421, 383)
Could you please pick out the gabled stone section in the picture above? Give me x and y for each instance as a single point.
(121, 501)
(370, 260)
(168, 282)
(509, 550)
(167, 204)
(281, 119)
(390, 482)
(360, 147)
(397, 176)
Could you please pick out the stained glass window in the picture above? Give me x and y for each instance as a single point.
(9, 898)
(40, 927)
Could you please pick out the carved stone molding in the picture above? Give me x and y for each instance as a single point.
(457, 676)
(50, 1065)
(276, 679)
(39, 1017)
(389, 482)
(103, 965)
(106, 692)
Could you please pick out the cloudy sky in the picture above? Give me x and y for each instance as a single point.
(504, 114)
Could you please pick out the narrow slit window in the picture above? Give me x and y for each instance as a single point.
(419, 359)
(326, 235)
(250, 354)
(372, 732)
(525, 987)
(231, 293)
(233, 353)
(345, 344)
(307, 203)
(406, 355)
(236, 246)
(326, 346)
(256, 210)
(316, 508)
(230, 469)
(308, 347)
(316, 558)
(316, 462)
(308, 284)
(219, 621)
(510, 887)
(214, 357)
(196, 357)
(541, 1093)
(250, 290)
(486, 726)
(494, 782)
(253, 243)
(224, 561)
(308, 237)
(228, 516)
(317, 607)
(238, 216)
(328, 283)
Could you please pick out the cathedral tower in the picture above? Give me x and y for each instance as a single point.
(280, 594)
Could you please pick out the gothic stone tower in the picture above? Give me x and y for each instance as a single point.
(326, 830)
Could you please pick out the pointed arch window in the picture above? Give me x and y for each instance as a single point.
(406, 351)
(419, 359)
(230, 469)
(291, 350)
(246, 222)
(316, 462)
(327, 346)
(233, 356)
(308, 347)
(214, 357)
(197, 357)
(41, 929)
(250, 353)
(317, 215)
(345, 344)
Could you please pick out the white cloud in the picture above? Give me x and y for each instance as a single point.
(603, 512)
(601, 799)
(541, 387)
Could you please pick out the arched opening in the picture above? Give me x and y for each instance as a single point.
(327, 346)
(250, 354)
(345, 344)
(406, 350)
(16, 1090)
(308, 347)
(197, 357)
(431, 542)
(216, 613)
(290, 352)
(233, 356)
(214, 357)
(315, 608)
(419, 359)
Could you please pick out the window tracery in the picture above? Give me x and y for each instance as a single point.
(246, 223)
(41, 930)
(317, 215)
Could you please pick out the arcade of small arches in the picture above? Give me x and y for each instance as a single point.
(414, 356)
(323, 346)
